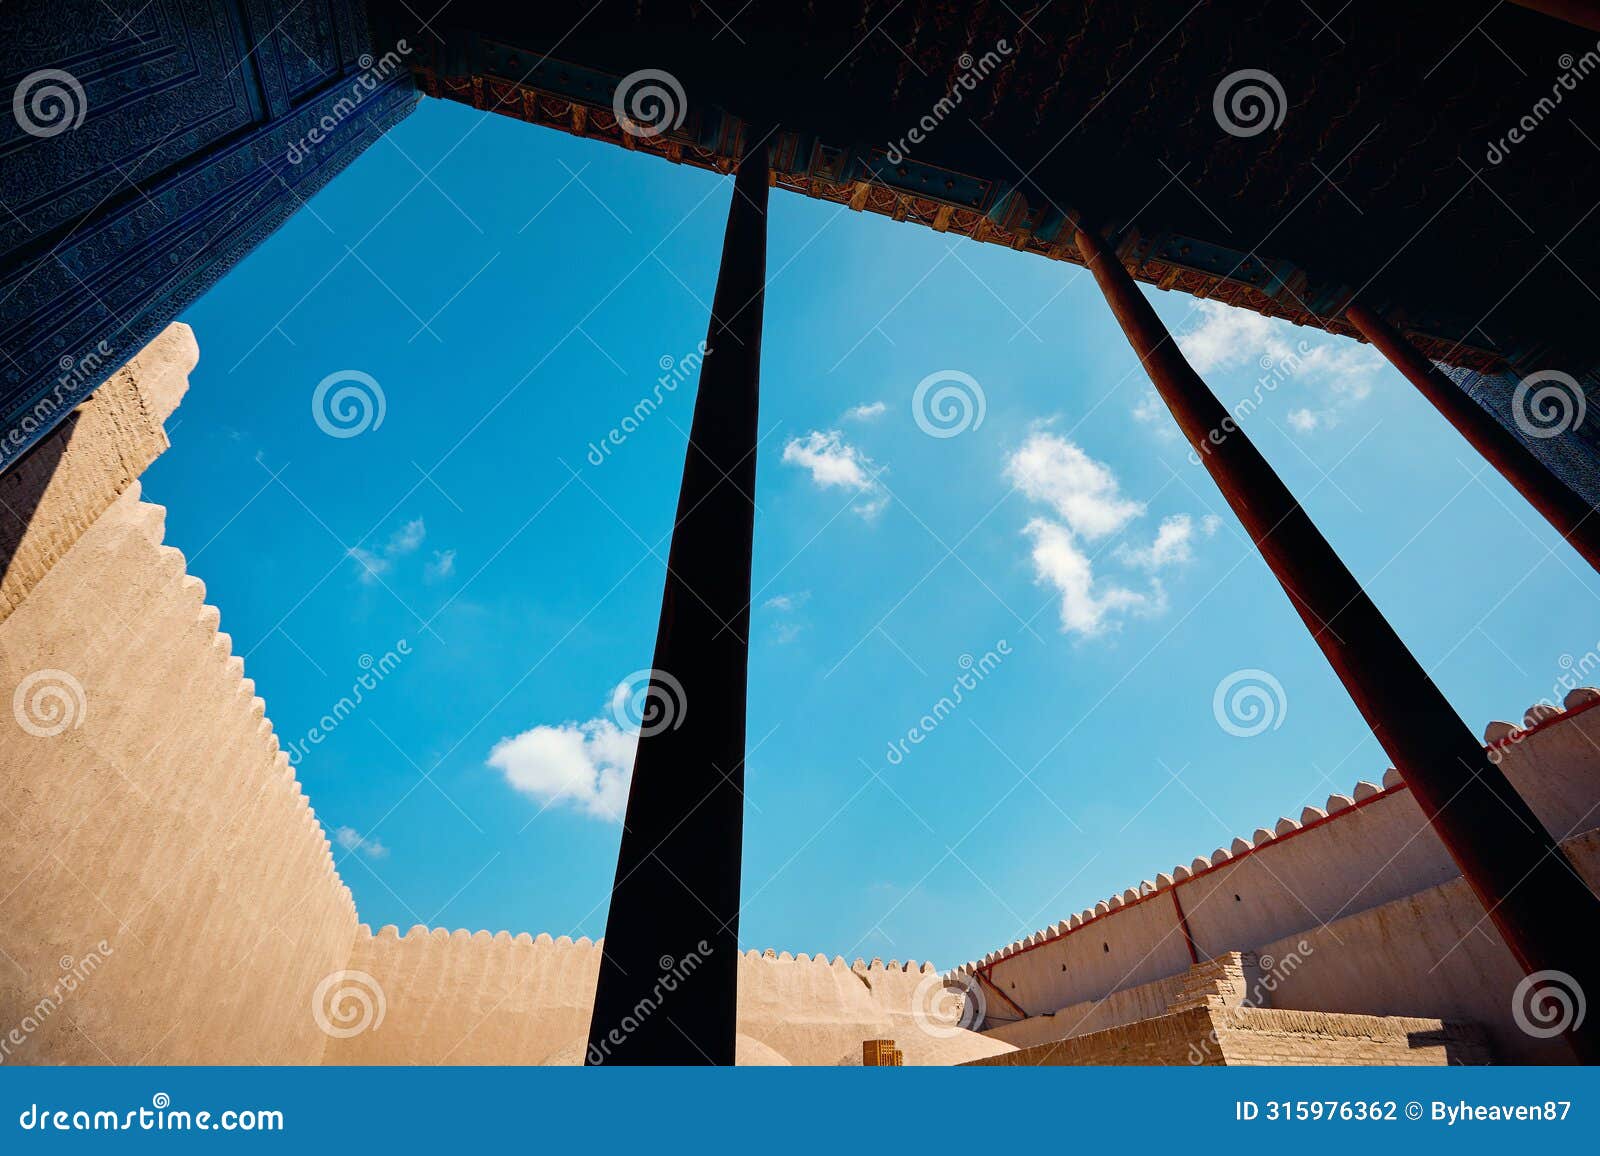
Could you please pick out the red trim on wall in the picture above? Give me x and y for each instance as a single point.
(1183, 922)
(1015, 1006)
(1519, 734)
(1368, 801)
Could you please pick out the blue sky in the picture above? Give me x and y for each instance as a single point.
(514, 292)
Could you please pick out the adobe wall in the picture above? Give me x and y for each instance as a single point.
(818, 1011)
(465, 999)
(1365, 882)
(166, 894)
(1166, 1040)
(53, 495)
(1125, 1006)
(1429, 954)
(1234, 1036)
(462, 998)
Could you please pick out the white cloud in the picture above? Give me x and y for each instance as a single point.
(786, 630)
(1337, 372)
(406, 539)
(1343, 367)
(1050, 469)
(1228, 336)
(1086, 497)
(1340, 375)
(1173, 545)
(1149, 408)
(587, 766)
(834, 462)
(372, 565)
(402, 542)
(352, 840)
(1086, 606)
(866, 412)
(442, 566)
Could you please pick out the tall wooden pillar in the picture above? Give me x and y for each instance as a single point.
(669, 969)
(1542, 909)
(1574, 519)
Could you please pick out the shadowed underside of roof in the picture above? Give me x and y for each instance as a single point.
(1437, 161)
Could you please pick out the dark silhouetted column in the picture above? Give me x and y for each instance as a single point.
(1542, 909)
(1583, 13)
(1572, 517)
(669, 972)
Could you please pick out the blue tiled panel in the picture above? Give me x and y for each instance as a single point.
(181, 164)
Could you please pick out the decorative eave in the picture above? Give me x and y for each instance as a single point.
(577, 100)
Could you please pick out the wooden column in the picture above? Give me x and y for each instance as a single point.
(1574, 519)
(669, 969)
(1542, 909)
